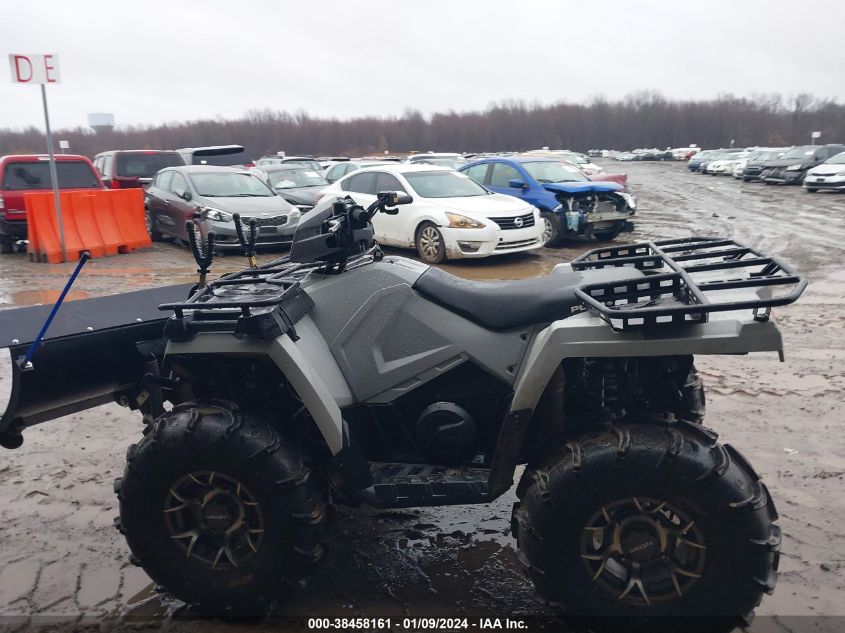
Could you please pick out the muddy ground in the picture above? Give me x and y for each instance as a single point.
(61, 560)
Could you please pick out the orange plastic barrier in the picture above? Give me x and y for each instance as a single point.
(104, 222)
(125, 208)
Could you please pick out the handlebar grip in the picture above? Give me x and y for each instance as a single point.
(253, 235)
(239, 230)
(196, 248)
(203, 253)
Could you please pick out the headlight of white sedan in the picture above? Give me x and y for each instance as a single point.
(457, 221)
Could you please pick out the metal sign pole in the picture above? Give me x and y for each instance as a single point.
(53, 177)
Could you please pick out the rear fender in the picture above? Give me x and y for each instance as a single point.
(307, 365)
(586, 335)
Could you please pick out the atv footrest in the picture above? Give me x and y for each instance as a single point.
(410, 485)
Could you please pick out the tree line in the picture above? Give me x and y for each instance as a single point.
(642, 119)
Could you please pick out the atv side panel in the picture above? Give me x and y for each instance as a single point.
(388, 340)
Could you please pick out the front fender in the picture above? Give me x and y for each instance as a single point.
(587, 336)
(307, 364)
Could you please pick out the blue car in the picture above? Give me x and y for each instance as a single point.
(571, 205)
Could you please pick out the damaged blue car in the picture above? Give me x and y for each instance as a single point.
(571, 205)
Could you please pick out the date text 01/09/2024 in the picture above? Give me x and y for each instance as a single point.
(416, 624)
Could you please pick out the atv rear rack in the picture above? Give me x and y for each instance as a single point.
(704, 275)
(263, 302)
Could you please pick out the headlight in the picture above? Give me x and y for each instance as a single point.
(294, 213)
(840, 173)
(304, 208)
(218, 215)
(457, 221)
(632, 203)
(795, 167)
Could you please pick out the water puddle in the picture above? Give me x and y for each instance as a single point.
(38, 297)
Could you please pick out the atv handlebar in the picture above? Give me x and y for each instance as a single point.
(247, 240)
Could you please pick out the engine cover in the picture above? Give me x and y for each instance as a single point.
(446, 433)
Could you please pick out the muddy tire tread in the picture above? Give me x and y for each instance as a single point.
(721, 462)
(197, 423)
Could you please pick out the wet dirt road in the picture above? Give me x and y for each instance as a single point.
(62, 561)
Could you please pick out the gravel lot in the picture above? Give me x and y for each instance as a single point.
(62, 560)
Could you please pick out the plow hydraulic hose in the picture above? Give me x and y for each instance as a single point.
(24, 364)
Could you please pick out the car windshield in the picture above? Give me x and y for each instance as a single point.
(575, 158)
(451, 163)
(222, 185)
(553, 171)
(766, 155)
(443, 184)
(291, 178)
(800, 152)
(305, 162)
(227, 159)
(145, 165)
(839, 159)
(36, 175)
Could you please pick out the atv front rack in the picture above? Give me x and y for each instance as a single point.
(263, 302)
(684, 281)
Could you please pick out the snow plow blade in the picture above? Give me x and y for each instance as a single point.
(89, 355)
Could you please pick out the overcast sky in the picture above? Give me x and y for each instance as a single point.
(151, 61)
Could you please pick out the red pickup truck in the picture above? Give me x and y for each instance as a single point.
(27, 173)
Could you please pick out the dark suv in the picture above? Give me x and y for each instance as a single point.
(216, 155)
(790, 168)
(127, 169)
(757, 162)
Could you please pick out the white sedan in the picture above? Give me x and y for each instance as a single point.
(725, 166)
(451, 217)
(828, 175)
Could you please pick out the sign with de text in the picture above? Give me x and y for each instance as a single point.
(35, 69)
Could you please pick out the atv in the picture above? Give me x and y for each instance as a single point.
(340, 375)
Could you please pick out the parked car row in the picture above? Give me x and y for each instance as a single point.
(649, 154)
(464, 207)
(813, 166)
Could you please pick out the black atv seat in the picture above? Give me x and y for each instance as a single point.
(502, 305)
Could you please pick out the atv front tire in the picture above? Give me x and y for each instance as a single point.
(649, 523)
(221, 510)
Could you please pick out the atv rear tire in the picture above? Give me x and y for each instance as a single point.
(221, 510)
(616, 514)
